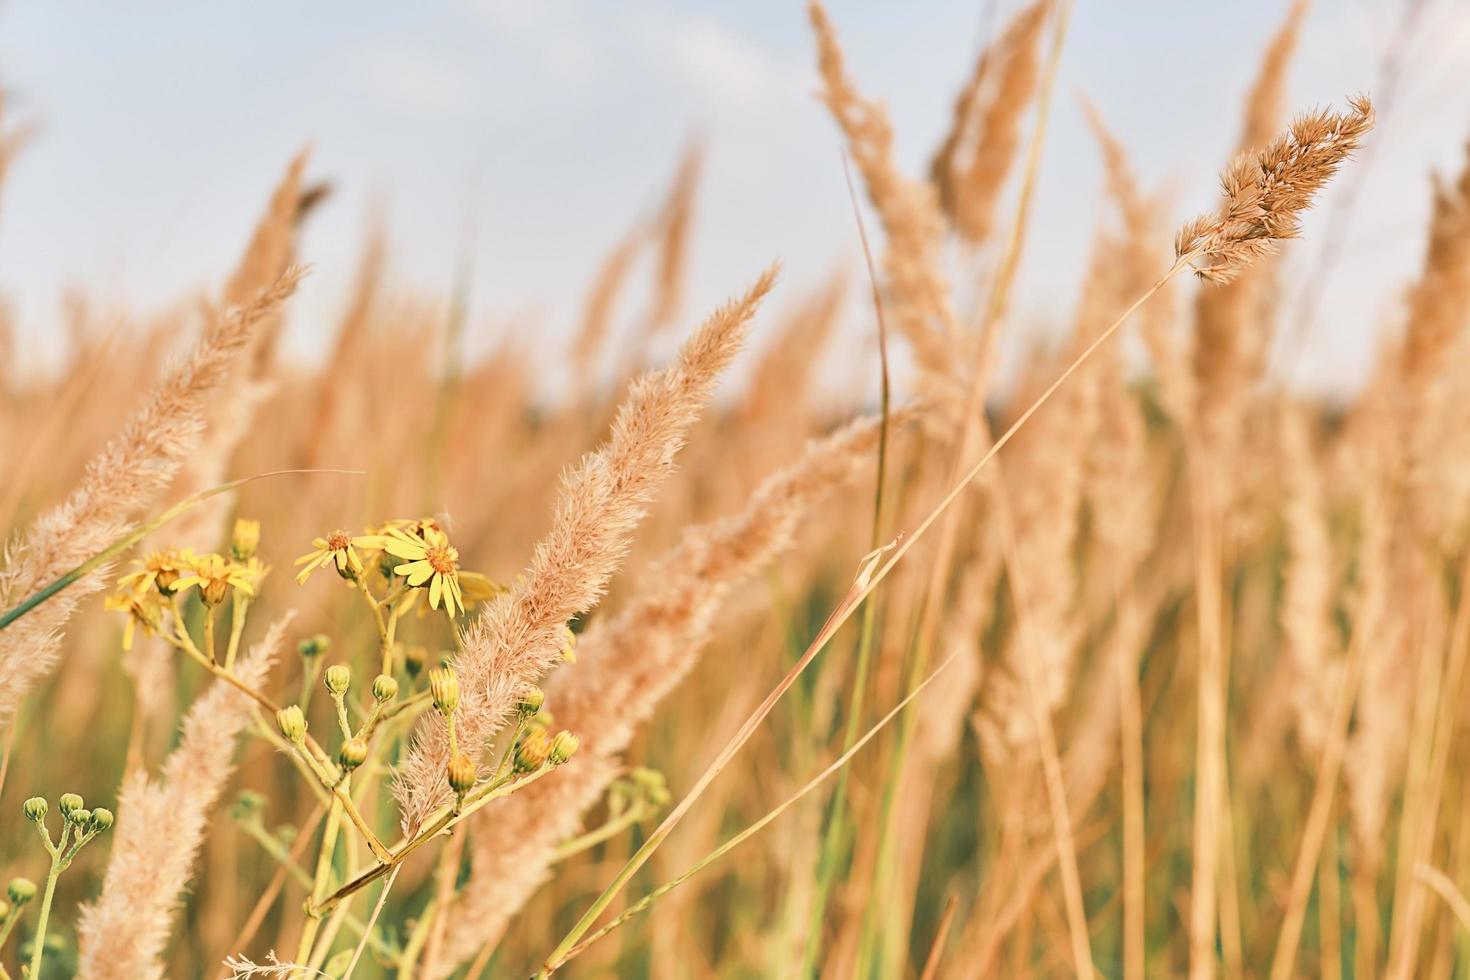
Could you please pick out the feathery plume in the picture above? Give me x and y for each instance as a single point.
(908, 209)
(1266, 192)
(1306, 608)
(1140, 256)
(1231, 324)
(971, 166)
(126, 475)
(627, 665)
(677, 221)
(597, 311)
(519, 635)
(161, 826)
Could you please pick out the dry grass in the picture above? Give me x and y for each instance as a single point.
(1203, 645)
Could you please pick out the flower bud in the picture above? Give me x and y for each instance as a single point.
(569, 646)
(531, 702)
(245, 539)
(166, 571)
(354, 752)
(35, 809)
(247, 805)
(314, 646)
(20, 890)
(214, 590)
(102, 819)
(4, 911)
(385, 689)
(461, 771)
(563, 747)
(81, 818)
(653, 785)
(444, 686)
(293, 724)
(338, 679)
(69, 804)
(414, 658)
(533, 751)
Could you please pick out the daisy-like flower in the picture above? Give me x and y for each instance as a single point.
(430, 561)
(215, 577)
(161, 570)
(143, 606)
(340, 549)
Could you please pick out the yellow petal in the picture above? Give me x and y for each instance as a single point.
(405, 549)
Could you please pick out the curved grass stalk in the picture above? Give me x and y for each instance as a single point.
(134, 536)
(837, 764)
(875, 569)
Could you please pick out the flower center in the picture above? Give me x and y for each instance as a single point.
(338, 540)
(443, 559)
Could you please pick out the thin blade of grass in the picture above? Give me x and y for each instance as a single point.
(839, 763)
(138, 534)
(833, 835)
(869, 580)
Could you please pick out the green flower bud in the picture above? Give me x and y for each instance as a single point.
(533, 752)
(531, 702)
(69, 803)
(314, 646)
(338, 678)
(247, 805)
(293, 724)
(651, 782)
(20, 890)
(385, 689)
(461, 772)
(444, 686)
(102, 819)
(354, 752)
(414, 659)
(81, 817)
(563, 747)
(245, 539)
(35, 809)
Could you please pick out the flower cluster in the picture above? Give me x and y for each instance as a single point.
(162, 580)
(413, 561)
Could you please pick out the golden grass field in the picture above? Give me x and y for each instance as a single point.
(1141, 669)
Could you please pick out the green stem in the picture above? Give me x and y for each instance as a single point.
(445, 819)
(636, 814)
(38, 949)
(320, 881)
(834, 837)
(238, 607)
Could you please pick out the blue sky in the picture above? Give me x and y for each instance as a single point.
(550, 125)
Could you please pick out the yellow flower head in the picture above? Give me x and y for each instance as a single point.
(144, 606)
(341, 550)
(429, 560)
(161, 570)
(215, 576)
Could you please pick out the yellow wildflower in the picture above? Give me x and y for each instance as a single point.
(161, 570)
(143, 606)
(341, 549)
(428, 560)
(215, 577)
